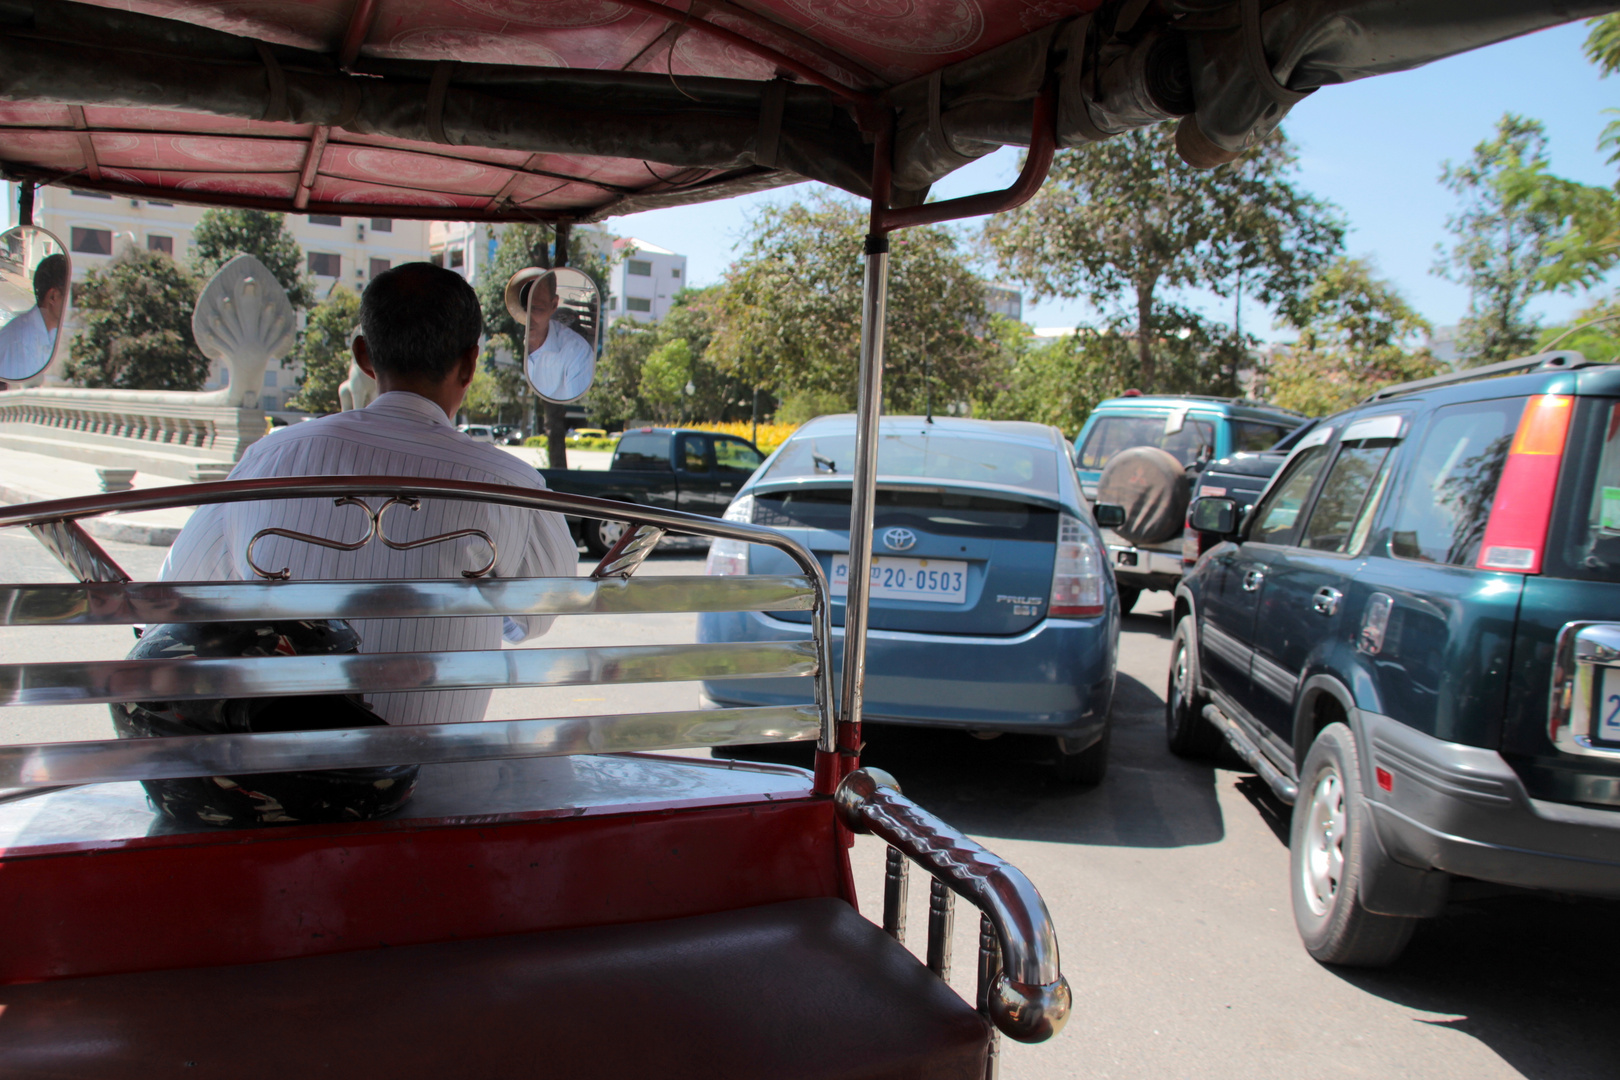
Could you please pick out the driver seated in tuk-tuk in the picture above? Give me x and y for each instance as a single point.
(420, 330)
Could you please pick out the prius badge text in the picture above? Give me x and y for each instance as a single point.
(899, 539)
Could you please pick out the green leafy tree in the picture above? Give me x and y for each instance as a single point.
(136, 316)
(323, 347)
(789, 318)
(665, 377)
(221, 235)
(1594, 332)
(1520, 231)
(1356, 335)
(1123, 223)
(717, 394)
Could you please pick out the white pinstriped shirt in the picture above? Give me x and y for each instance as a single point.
(399, 434)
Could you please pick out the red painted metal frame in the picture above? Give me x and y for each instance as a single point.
(235, 897)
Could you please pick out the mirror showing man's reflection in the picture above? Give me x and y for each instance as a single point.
(34, 282)
(560, 338)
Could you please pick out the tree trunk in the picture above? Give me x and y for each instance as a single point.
(1144, 344)
(557, 435)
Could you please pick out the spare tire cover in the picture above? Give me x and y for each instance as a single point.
(1154, 489)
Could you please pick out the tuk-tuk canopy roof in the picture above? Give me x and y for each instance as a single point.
(500, 110)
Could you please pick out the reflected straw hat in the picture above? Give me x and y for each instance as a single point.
(517, 291)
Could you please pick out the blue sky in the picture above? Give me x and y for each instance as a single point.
(1373, 147)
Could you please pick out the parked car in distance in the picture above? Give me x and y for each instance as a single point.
(673, 468)
(587, 433)
(507, 435)
(1415, 638)
(1143, 452)
(1241, 478)
(478, 432)
(992, 608)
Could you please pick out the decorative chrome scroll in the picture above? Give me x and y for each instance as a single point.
(374, 532)
(336, 545)
(1029, 1000)
(77, 550)
(629, 552)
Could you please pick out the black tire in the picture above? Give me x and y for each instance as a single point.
(1089, 767)
(1189, 734)
(1330, 851)
(1128, 595)
(601, 535)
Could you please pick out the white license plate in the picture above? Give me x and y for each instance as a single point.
(1608, 706)
(934, 581)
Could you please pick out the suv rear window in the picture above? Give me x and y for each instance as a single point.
(1111, 434)
(940, 513)
(1585, 540)
(1251, 436)
(1453, 479)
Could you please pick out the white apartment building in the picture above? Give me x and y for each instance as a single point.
(645, 279)
(1005, 300)
(344, 250)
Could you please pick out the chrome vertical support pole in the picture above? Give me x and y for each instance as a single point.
(894, 895)
(989, 968)
(864, 486)
(941, 917)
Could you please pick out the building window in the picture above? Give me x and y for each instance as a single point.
(270, 380)
(675, 273)
(382, 224)
(325, 219)
(324, 265)
(637, 303)
(92, 241)
(89, 194)
(639, 267)
(164, 244)
(458, 257)
(378, 266)
(437, 258)
(154, 202)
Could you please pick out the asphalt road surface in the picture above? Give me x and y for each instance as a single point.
(1167, 884)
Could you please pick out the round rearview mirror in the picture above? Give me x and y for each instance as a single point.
(35, 283)
(561, 315)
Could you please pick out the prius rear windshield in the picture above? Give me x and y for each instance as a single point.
(924, 456)
(940, 513)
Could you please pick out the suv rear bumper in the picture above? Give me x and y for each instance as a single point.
(1463, 810)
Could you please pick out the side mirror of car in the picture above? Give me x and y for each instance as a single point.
(1215, 515)
(1108, 515)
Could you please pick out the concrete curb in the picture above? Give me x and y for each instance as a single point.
(105, 527)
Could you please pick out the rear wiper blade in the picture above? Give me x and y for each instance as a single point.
(824, 464)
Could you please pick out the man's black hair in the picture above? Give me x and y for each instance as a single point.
(51, 273)
(419, 319)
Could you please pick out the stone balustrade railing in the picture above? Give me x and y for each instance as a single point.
(169, 433)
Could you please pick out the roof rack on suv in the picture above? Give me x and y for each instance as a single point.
(1564, 360)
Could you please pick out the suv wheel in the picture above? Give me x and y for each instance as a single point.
(1186, 730)
(1330, 849)
(602, 535)
(1089, 766)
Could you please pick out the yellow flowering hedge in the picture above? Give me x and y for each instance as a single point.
(770, 435)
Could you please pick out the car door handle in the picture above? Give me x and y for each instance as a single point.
(1252, 580)
(1326, 600)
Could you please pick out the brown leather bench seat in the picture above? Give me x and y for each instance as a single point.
(802, 989)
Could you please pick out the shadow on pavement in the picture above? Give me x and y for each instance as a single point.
(1005, 787)
(1153, 622)
(1527, 975)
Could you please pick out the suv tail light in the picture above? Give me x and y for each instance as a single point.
(729, 558)
(1077, 573)
(1517, 530)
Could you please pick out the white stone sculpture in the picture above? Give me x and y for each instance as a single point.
(357, 391)
(244, 321)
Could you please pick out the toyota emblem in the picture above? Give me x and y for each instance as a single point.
(899, 539)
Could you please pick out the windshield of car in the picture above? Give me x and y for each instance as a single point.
(922, 455)
(1111, 434)
(1585, 541)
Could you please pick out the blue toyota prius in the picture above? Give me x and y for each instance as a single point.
(993, 607)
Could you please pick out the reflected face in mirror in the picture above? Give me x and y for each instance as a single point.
(34, 281)
(560, 333)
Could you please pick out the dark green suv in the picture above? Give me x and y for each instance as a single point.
(1414, 637)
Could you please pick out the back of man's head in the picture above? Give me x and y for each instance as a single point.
(51, 273)
(419, 320)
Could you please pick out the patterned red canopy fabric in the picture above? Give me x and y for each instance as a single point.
(863, 45)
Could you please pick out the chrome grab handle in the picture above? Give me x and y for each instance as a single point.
(1326, 600)
(1252, 580)
(1028, 998)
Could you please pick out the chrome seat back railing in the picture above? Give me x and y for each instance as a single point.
(105, 595)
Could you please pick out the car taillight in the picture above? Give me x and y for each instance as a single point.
(1517, 530)
(728, 558)
(1077, 573)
